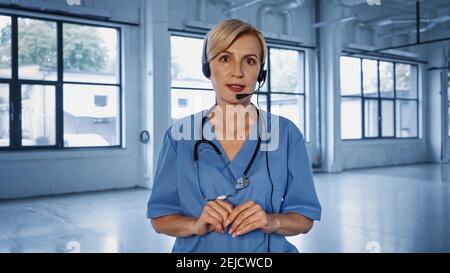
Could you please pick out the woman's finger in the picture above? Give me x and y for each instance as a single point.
(212, 220)
(218, 208)
(242, 216)
(237, 210)
(226, 205)
(249, 226)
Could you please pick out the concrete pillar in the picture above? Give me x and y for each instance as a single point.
(436, 106)
(156, 80)
(330, 51)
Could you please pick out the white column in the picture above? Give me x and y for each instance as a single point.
(156, 80)
(330, 51)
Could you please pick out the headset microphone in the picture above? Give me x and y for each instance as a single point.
(241, 96)
(261, 80)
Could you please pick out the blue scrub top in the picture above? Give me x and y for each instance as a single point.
(175, 189)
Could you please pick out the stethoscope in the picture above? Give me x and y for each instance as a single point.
(239, 183)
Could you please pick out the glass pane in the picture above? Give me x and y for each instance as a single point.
(37, 49)
(387, 118)
(371, 118)
(291, 107)
(4, 115)
(187, 102)
(406, 118)
(350, 76)
(386, 79)
(370, 82)
(262, 101)
(186, 55)
(38, 115)
(406, 80)
(285, 71)
(90, 54)
(91, 115)
(351, 118)
(5, 47)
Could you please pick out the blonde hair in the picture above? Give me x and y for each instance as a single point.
(222, 35)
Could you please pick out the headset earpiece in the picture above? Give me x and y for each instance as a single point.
(205, 70)
(205, 64)
(262, 75)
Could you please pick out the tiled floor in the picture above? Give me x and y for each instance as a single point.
(395, 209)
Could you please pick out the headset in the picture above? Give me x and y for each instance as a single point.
(261, 80)
(207, 70)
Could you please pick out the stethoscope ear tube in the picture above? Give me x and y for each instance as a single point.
(207, 142)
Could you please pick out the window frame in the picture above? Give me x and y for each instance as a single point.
(267, 84)
(15, 83)
(379, 99)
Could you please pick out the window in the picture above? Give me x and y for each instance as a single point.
(4, 115)
(191, 91)
(88, 119)
(5, 47)
(64, 87)
(38, 115)
(90, 54)
(286, 86)
(387, 97)
(282, 94)
(37, 49)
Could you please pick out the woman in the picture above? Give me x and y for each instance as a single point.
(229, 194)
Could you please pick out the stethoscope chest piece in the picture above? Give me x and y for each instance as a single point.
(242, 182)
(222, 197)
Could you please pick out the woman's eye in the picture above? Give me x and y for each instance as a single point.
(251, 61)
(225, 58)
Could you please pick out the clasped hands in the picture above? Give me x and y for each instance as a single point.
(220, 216)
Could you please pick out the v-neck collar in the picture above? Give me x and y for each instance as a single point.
(245, 153)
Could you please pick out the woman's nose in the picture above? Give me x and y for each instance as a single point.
(238, 72)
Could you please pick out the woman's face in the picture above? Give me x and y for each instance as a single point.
(235, 70)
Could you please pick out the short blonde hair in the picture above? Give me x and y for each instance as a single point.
(222, 35)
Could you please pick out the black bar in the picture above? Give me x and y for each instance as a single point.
(439, 68)
(418, 20)
(66, 14)
(191, 88)
(91, 83)
(15, 93)
(59, 89)
(408, 45)
(120, 118)
(381, 56)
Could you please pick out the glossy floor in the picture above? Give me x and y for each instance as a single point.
(395, 209)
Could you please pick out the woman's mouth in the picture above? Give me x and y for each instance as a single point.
(236, 87)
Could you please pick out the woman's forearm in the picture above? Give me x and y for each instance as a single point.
(287, 224)
(175, 225)
(290, 224)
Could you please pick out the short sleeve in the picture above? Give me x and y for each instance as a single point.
(300, 196)
(164, 199)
